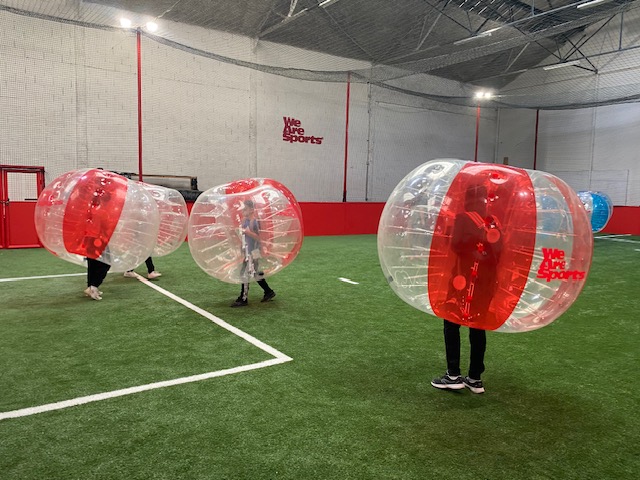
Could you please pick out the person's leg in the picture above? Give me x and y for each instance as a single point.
(478, 343)
(150, 266)
(452, 347)
(242, 300)
(151, 269)
(90, 272)
(96, 271)
(101, 272)
(451, 380)
(149, 263)
(268, 291)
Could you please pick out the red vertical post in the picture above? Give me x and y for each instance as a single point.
(139, 57)
(475, 157)
(346, 140)
(535, 142)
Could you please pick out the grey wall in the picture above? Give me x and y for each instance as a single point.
(590, 148)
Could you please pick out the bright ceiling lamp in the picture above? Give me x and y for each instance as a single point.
(125, 23)
(592, 3)
(474, 37)
(152, 26)
(484, 95)
(561, 65)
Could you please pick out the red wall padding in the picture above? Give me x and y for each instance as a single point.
(624, 220)
(351, 218)
(355, 218)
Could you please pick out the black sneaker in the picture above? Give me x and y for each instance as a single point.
(447, 382)
(240, 303)
(474, 385)
(268, 296)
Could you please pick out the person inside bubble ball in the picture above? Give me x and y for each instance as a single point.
(251, 253)
(96, 273)
(151, 270)
(477, 242)
(93, 243)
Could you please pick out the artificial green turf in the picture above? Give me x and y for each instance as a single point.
(355, 402)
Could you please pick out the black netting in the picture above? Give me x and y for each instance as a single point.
(437, 50)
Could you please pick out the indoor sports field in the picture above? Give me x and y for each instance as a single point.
(329, 380)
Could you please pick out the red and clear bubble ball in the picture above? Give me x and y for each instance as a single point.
(97, 214)
(485, 245)
(174, 218)
(216, 237)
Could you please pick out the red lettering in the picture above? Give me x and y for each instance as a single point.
(291, 122)
(293, 132)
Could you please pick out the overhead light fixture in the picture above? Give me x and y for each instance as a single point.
(561, 65)
(152, 26)
(326, 3)
(592, 3)
(473, 37)
(484, 95)
(125, 23)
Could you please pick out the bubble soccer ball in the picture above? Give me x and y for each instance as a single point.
(599, 207)
(484, 245)
(100, 215)
(174, 218)
(220, 217)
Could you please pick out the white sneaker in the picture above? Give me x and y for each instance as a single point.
(153, 275)
(130, 274)
(93, 292)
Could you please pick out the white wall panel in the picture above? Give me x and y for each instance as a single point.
(405, 137)
(313, 172)
(516, 137)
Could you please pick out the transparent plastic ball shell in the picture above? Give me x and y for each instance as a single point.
(599, 207)
(215, 233)
(485, 245)
(174, 218)
(97, 214)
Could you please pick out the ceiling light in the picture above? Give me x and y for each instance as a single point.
(473, 37)
(592, 3)
(125, 23)
(326, 3)
(152, 26)
(561, 65)
(484, 95)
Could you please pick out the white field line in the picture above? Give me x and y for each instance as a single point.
(218, 321)
(611, 238)
(42, 276)
(346, 280)
(279, 358)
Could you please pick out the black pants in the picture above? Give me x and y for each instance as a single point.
(478, 343)
(244, 292)
(96, 272)
(149, 263)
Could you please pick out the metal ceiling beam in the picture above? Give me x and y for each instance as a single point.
(538, 67)
(290, 18)
(517, 57)
(438, 9)
(589, 37)
(346, 34)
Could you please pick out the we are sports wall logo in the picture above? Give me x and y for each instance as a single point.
(294, 133)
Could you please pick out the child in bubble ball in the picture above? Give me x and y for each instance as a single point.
(251, 251)
(477, 242)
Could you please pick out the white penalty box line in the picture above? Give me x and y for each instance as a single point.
(279, 358)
